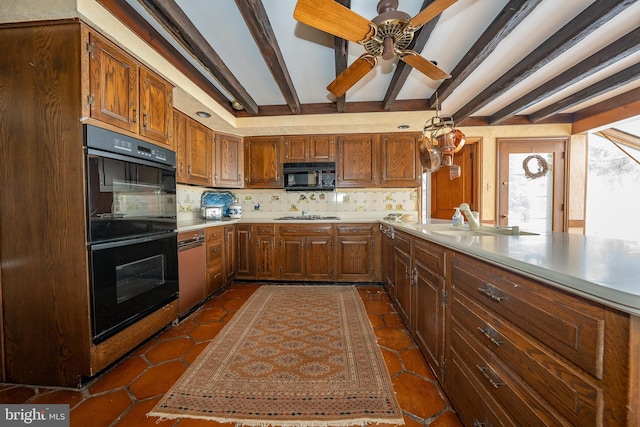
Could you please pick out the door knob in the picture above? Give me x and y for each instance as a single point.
(504, 216)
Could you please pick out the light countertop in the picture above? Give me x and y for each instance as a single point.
(601, 269)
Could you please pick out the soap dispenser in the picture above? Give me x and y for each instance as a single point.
(457, 219)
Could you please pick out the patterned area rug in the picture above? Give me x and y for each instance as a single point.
(291, 356)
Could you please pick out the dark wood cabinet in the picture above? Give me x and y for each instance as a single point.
(357, 246)
(180, 144)
(402, 276)
(400, 164)
(229, 257)
(245, 252)
(357, 160)
(214, 246)
(305, 252)
(263, 162)
(265, 251)
(309, 148)
(125, 94)
(429, 298)
(198, 153)
(387, 243)
(229, 161)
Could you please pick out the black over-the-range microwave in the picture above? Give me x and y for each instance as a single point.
(309, 176)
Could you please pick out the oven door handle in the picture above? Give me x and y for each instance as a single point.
(127, 242)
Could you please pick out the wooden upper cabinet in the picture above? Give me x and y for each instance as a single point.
(263, 162)
(113, 83)
(125, 94)
(357, 160)
(198, 153)
(309, 148)
(156, 96)
(229, 161)
(400, 165)
(180, 144)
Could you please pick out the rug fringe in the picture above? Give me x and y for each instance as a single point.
(255, 423)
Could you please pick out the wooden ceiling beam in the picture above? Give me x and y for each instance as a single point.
(590, 19)
(403, 69)
(605, 57)
(341, 49)
(507, 20)
(255, 16)
(171, 16)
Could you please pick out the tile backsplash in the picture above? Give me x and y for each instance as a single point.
(269, 203)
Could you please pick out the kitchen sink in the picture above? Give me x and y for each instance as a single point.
(307, 218)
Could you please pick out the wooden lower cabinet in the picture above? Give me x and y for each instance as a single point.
(305, 252)
(265, 255)
(245, 261)
(229, 258)
(214, 246)
(356, 252)
(510, 350)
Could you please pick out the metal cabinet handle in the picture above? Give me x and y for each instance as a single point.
(485, 373)
(491, 292)
(489, 332)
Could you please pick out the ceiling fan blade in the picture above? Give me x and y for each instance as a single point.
(430, 12)
(333, 18)
(423, 65)
(352, 75)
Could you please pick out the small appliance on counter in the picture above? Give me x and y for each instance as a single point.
(222, 200)
(211, 213)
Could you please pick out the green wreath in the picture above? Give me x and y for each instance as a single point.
(543, 167)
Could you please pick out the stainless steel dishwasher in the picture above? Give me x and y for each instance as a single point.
(191, 270)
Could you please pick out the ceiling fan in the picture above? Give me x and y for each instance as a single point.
(386, 35)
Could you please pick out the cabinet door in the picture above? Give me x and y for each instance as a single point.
(292, 258)
(357, 160)
(198, 153)
(322, 148)
(296, 148)
(229, 253)
(266, 257)
(318, 258)
(355, 258)
(229, 161)
(155, 107)
(387, 263)
(245, 264)
(180, 143)
(400, 164)
(403, 284)
(113, 82)
(214, 255)
(263, 162)
(429, 316)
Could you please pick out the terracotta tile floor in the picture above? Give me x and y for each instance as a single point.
(126, 392)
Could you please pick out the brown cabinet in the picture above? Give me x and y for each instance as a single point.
(263, 162)
(198, 153)
(245, 252)
(305, 252)
(265, 254)
(356, 257)
(309, 148)
(214, 241)
(400, 164)
(229, 161)
(402, 276)
(357, 160)
(125, 94)
(429, 296)
(229, 257)
(388, 235)
(180, 144)
(538, 355)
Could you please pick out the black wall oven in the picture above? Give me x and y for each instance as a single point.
(132, 229)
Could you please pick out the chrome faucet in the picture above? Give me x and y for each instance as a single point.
(472, 217)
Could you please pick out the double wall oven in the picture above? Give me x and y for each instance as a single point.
(132, 229)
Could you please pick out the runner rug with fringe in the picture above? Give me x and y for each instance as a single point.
(291, 356)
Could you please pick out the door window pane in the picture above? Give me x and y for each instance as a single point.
(530, 197)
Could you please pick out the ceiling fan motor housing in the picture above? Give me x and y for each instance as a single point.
(390, 36)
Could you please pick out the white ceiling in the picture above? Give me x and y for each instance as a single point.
(309, 53)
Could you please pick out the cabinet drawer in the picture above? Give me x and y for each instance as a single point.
(354, 229)
(571, 326)
(213, 233)
(214, 254)
(303, 230)
(493, 380)
(429, 255)
(568, 391)
(265, 229)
